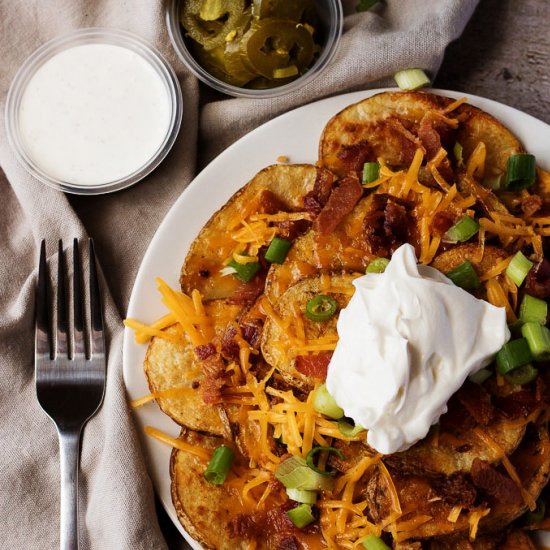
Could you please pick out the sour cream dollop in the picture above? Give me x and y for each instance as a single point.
(408, 340)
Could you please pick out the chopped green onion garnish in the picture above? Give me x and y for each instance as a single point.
(365, 5)
(513, 354)
(319, 449)
(538, 338)
(372, 542)
(371, 172)
(518, 268)
(537, 515)
(277, 250)
(294, 473)
(411, 79)
(378, 265)
(299, 495)
(244, 272)
(522, 375)
(349, 430)
(301, 515)
(493, 182)
(457, 151)
(465, 276)
(321, 308)
(219, 465)
(533, 310)
(480, 376)
(462, 230)
(324, 403)
(521, 172)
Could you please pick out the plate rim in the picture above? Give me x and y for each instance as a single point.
(520, 123)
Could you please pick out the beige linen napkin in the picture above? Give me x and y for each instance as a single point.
(116, 497)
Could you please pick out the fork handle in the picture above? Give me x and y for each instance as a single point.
(69, 446)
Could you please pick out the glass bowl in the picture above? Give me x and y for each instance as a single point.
(331, 20)
(78, 38)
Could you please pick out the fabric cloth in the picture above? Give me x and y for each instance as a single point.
(116, 496)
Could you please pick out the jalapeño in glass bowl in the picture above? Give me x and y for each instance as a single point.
(255, 48)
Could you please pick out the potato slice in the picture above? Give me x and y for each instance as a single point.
(288, 184)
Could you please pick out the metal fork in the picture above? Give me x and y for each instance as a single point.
(70, 383)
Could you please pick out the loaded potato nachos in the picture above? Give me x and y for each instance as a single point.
(266, 457)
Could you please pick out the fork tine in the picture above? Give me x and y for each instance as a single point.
(42, 316)
(79, 348)
(97, 341)
(62, 324)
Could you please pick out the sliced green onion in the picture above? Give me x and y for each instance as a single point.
(277, 250)
(324, 403)
(244, 272)
(301, 515)
(518, 268)
(522, 375)
(480, 376)
(219, 465)
(371, 172)
(319, 449)
(349, 430)
(365, 5)
(538, 339)
(378, 265)
(411, 79)
(521, 172)
(321, 308)
(372, 542)
(294, 473)
(465, 276)
(462, 230)
(493, 182)
(533, 310)
(513, 354)
(457, 151)
(299, 495)
(537, 515)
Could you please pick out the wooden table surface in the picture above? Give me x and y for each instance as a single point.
(504, 55)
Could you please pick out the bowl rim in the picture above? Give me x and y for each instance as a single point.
(92, 35)
(328, 52)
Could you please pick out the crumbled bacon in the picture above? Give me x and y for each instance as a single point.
(315, 365)
(434, 133)
(531, 204)
(477, 401)
(441, 223)
(455, 489)
(487, 477)
(353, 157)
(269, 203)
(408, 142)
(340, 202)
(230, 348)
(247, 293)
(205, 351)
(538, 280)
(517, 405)
(252, 332)
(213, 370)
(290, 229)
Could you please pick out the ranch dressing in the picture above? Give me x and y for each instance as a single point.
(408, 340)
(93, 114)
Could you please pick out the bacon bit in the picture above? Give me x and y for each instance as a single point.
(230, 348)
(252, 331)
(318, 196)
(340, 202)
(517, 405)
(205, 351)
(408, 142)
(455, 489)
(213, 369)
(247, 293)
(291, 229)
(315, 366)
(531, 204)
(434, 134)
(353, 157)
(488, 478)
(477, 401)
(441, 223)
(269, 203)
(538, 280)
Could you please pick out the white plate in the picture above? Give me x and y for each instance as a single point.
(295, 134)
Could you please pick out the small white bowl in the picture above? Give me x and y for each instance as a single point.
(78, 38)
